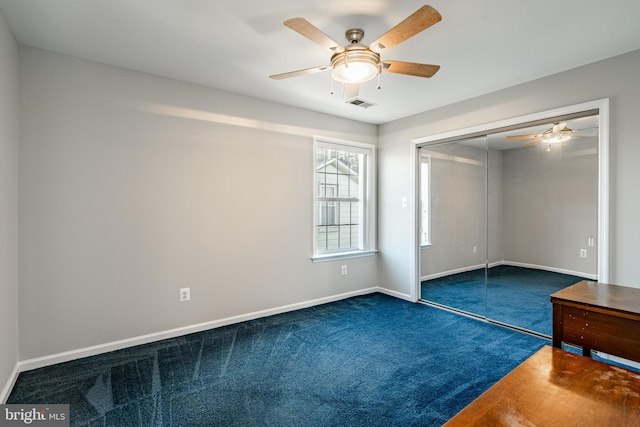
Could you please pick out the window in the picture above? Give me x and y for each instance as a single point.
(344, 199)
(425, 200)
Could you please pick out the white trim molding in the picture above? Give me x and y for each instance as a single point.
(552, 269)
(4, 395)
(395, 294)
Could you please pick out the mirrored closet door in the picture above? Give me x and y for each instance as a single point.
(508, 218)
(453, 207)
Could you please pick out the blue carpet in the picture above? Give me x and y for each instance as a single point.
(514, 295)
(365, 361)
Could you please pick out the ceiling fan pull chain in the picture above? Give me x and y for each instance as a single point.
(378, 80)
(331, 86)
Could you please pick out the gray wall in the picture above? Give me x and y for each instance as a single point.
(616, 78)
(8, 203)
(472, 194)
(458, 209)
(551, 205)
(133, 186)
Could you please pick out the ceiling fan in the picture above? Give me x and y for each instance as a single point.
(559, 133)
(357, 63)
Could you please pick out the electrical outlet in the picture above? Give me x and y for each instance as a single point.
(185, 294)
(475, 249)
(344, 270)
(583, 253)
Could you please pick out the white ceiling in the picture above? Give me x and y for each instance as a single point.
(234, 45)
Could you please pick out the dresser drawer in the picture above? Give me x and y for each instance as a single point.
(602, 332)
(598, 323)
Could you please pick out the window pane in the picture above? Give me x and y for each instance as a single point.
(327, 213)
(321, 156)
(344, 213)
(321, 238)
(345, 237)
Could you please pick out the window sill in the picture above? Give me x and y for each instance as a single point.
(343, 255)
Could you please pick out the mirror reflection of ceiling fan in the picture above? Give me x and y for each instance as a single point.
(357, 63)
(559, 133)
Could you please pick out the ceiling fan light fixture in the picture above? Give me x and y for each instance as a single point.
(355, 66)
(556, 137)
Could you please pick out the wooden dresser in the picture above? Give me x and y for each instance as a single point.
(598, 316)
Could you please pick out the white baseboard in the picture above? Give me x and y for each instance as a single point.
(450, 272)
(395, 294)
(4, 395)
(512, 263)
(39, 362)
(553, 269)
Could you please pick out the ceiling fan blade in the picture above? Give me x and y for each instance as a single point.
(418, 21)
(307, 29)
(532, 142)
(410, 68)
(518, 137)
(300, 72)
(584, 132)
(351, 90)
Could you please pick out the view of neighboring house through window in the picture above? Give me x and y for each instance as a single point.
(328, 209)
(425, 204)
(343, 198)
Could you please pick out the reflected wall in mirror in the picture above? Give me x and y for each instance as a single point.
(514, 218)
(453, 209)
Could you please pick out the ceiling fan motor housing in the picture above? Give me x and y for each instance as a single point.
(354, 35)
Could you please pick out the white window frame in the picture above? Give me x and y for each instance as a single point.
(367, 197)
